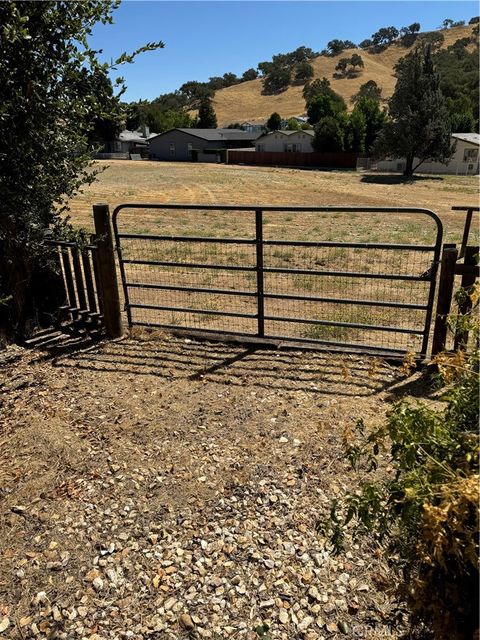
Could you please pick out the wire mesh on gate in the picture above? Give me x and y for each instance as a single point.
(341, 276)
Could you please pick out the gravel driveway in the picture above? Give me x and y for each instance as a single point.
(157, 487)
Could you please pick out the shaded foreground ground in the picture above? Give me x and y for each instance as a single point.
(158, 487)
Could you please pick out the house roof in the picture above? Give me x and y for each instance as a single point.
(309, 132)
(214, 134)
(135, 136)
(473, 138)
(131, 136)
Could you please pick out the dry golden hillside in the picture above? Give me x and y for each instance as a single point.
(245, 101)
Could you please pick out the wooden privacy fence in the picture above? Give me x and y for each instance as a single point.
(340, 160)
(92, 303)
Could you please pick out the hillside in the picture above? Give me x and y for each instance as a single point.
(245, 101)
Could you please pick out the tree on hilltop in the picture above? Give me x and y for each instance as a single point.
(356, 61)
(409, 34)
(334, 47)
(418, 125)
(383, 37)
(369, 89)
(303, 72)
(229, 79)
(277, 80)
(365, 44)
(249, 74)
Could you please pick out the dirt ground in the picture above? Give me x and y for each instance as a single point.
(159, 487)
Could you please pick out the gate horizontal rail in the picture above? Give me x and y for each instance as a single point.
(148, 277)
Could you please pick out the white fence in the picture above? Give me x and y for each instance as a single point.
(398, 166)
(112, 156)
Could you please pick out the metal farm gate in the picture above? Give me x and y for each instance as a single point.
(353, 278)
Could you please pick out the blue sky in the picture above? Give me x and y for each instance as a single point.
(204, 39)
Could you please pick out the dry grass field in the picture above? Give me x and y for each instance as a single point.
(246, 102)
(168, 182)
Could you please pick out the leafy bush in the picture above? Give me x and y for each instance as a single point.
(424, 510)
(57, 103)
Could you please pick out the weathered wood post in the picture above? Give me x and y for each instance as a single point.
(469, 276)
(107, 271)
(445, 293)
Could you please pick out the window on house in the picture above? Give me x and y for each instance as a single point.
(172, 148)
(292, 146)
(470, 154)
(189, 149)
(260, 147)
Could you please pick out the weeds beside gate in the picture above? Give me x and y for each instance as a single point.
(248, 271)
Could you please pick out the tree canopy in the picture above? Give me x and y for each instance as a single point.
(329, 135)
(53, 95)
(374, 118)
(274, 122)
(324, 103)
(418, 125)
(369, 89)
(383, 37)
(285, 67)
(207, 118)
(334, 47)
(459, 81)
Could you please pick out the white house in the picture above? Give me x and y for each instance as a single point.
(285, 141)
(127, 143)
(252, 127)
(299, 119)
(465, 160)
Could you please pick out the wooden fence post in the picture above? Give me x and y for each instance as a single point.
(468, 280)
(444, 302)
(107, 271)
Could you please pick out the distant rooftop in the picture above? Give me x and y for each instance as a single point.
(216, 134)
(286, 132)
(474, 138)
(135, 136)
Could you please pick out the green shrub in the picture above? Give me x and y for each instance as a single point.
(424, 508)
